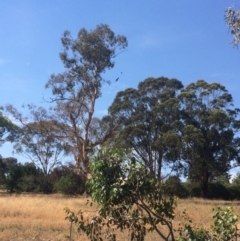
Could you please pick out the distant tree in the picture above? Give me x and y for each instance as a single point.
(8, 131)
(39, 140)
(12, 174)
(18, 177)
(174, 186)
(2, 171)
(150, 121)
(210, 145)
(232, 18)
(76, 91)
(32, 178)
(65, 180)
(236, 180)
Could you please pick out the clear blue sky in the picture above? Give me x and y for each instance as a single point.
(186, 39)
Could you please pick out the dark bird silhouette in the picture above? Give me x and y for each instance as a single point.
(118, 78)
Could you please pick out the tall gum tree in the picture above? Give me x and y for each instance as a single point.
(210, 144)
(39, 137)
(76, 91)
(149, 120)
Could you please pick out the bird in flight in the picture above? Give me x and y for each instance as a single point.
(117, 78)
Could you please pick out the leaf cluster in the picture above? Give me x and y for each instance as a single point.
(8, 130)
(224, 227)
(129, 197)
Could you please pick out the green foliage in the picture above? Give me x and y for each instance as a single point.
(223, 229)
(70, 184)
(31, 183)
(194, 189)
(217, 190)
(236, 180)
(31, 179)
(76, 90)
(234, 187)
(8, 131)
(174, 187)
(149, 123)
(38, 141)
(13, 174)
(65, 185)
(18, 177)
(27, 177)
(2, 171)
(129, 198)
(209, 141)
(192, 130)
(224, 226)
(67, 180)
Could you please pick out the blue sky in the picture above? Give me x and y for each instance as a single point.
(187, 40)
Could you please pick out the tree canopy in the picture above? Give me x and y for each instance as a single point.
(149, 122)
(210, 124)
(192, 128)
(76, 91)
(8, 130)
(40, 137)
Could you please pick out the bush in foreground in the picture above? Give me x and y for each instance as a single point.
(131, 199)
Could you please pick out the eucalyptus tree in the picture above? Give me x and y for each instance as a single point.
(150, 123)
(76, 90)
(210, 144)
(11, 172)
(39, 138)
(8, 130)
(232, 18)
(2, 171)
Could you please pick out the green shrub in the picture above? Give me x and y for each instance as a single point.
(223, 229)
(70, 184)
(174, 186)
(217, 190)
(193, 189)
(30, 183)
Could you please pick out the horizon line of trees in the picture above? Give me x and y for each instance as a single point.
(16, 177)
(26, 177)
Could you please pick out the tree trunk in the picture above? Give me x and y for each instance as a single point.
(204, 184)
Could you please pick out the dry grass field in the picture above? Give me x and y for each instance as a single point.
(40, 217)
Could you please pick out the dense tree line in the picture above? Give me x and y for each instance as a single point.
(170, 129)
(27, 177)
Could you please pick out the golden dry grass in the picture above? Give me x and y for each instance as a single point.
(36, 217)
(40, 217)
